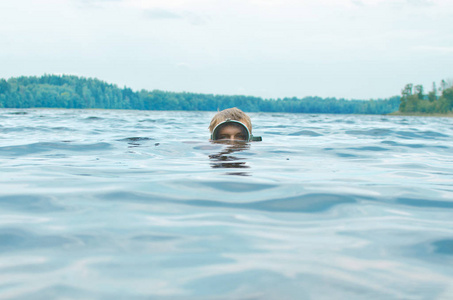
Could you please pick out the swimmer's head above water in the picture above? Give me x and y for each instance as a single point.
(232, 124)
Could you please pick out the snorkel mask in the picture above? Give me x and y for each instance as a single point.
(245, 133)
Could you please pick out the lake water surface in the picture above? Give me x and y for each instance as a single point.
(105, 204)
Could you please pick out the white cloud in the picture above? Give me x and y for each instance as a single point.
(421, 2)
(435, 49)
(183, 66)
(158, 13)
(95, 3)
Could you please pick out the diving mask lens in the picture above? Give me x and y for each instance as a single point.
(231, 130)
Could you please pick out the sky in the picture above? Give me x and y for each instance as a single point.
(353, 49)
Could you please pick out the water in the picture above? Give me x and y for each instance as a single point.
(101, 204)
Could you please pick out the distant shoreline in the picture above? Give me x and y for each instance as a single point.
(397, 113)
(420, 114)
(73, 92)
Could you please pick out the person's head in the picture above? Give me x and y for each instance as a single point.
(231, 124)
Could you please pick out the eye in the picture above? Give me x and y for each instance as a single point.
(241, 137)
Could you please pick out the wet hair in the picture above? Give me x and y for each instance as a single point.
(230, 114)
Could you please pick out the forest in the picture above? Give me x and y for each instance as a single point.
(437, 101)
(68, 91)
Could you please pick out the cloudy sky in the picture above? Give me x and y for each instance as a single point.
(355, 49)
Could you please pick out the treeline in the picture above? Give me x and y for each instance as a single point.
(54, 91)
(438, 100)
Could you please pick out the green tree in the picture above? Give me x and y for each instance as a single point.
(432, 96)
(419, 91)
(4, 86)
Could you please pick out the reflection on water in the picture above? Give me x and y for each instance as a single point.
(225, 159)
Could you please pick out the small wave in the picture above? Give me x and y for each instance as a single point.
(31, 203)
(344, 121)
(425, 203)
(18, 113)
(369, 148)
(443, 246)
(236, 187)
(342, 154)
(371, 132)
(135, 142)
(273, 126)
(432, 249)
(153, 238)
(93, 118)
(136, 139)
(346, 155)
(392, 143)
(15, 239)
(281, 151)
(429, 135)
(21, 150)
(306, 133)
(132, 196)
(61, 128)
(63, 291)
(25, 129)
(147, 121)
(310, 203)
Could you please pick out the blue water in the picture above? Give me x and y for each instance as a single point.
(104, 204)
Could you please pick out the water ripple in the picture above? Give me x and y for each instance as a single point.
(309, 203)
(28, 149)
(331, 206)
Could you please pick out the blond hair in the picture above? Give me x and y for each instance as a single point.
(230, 114)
